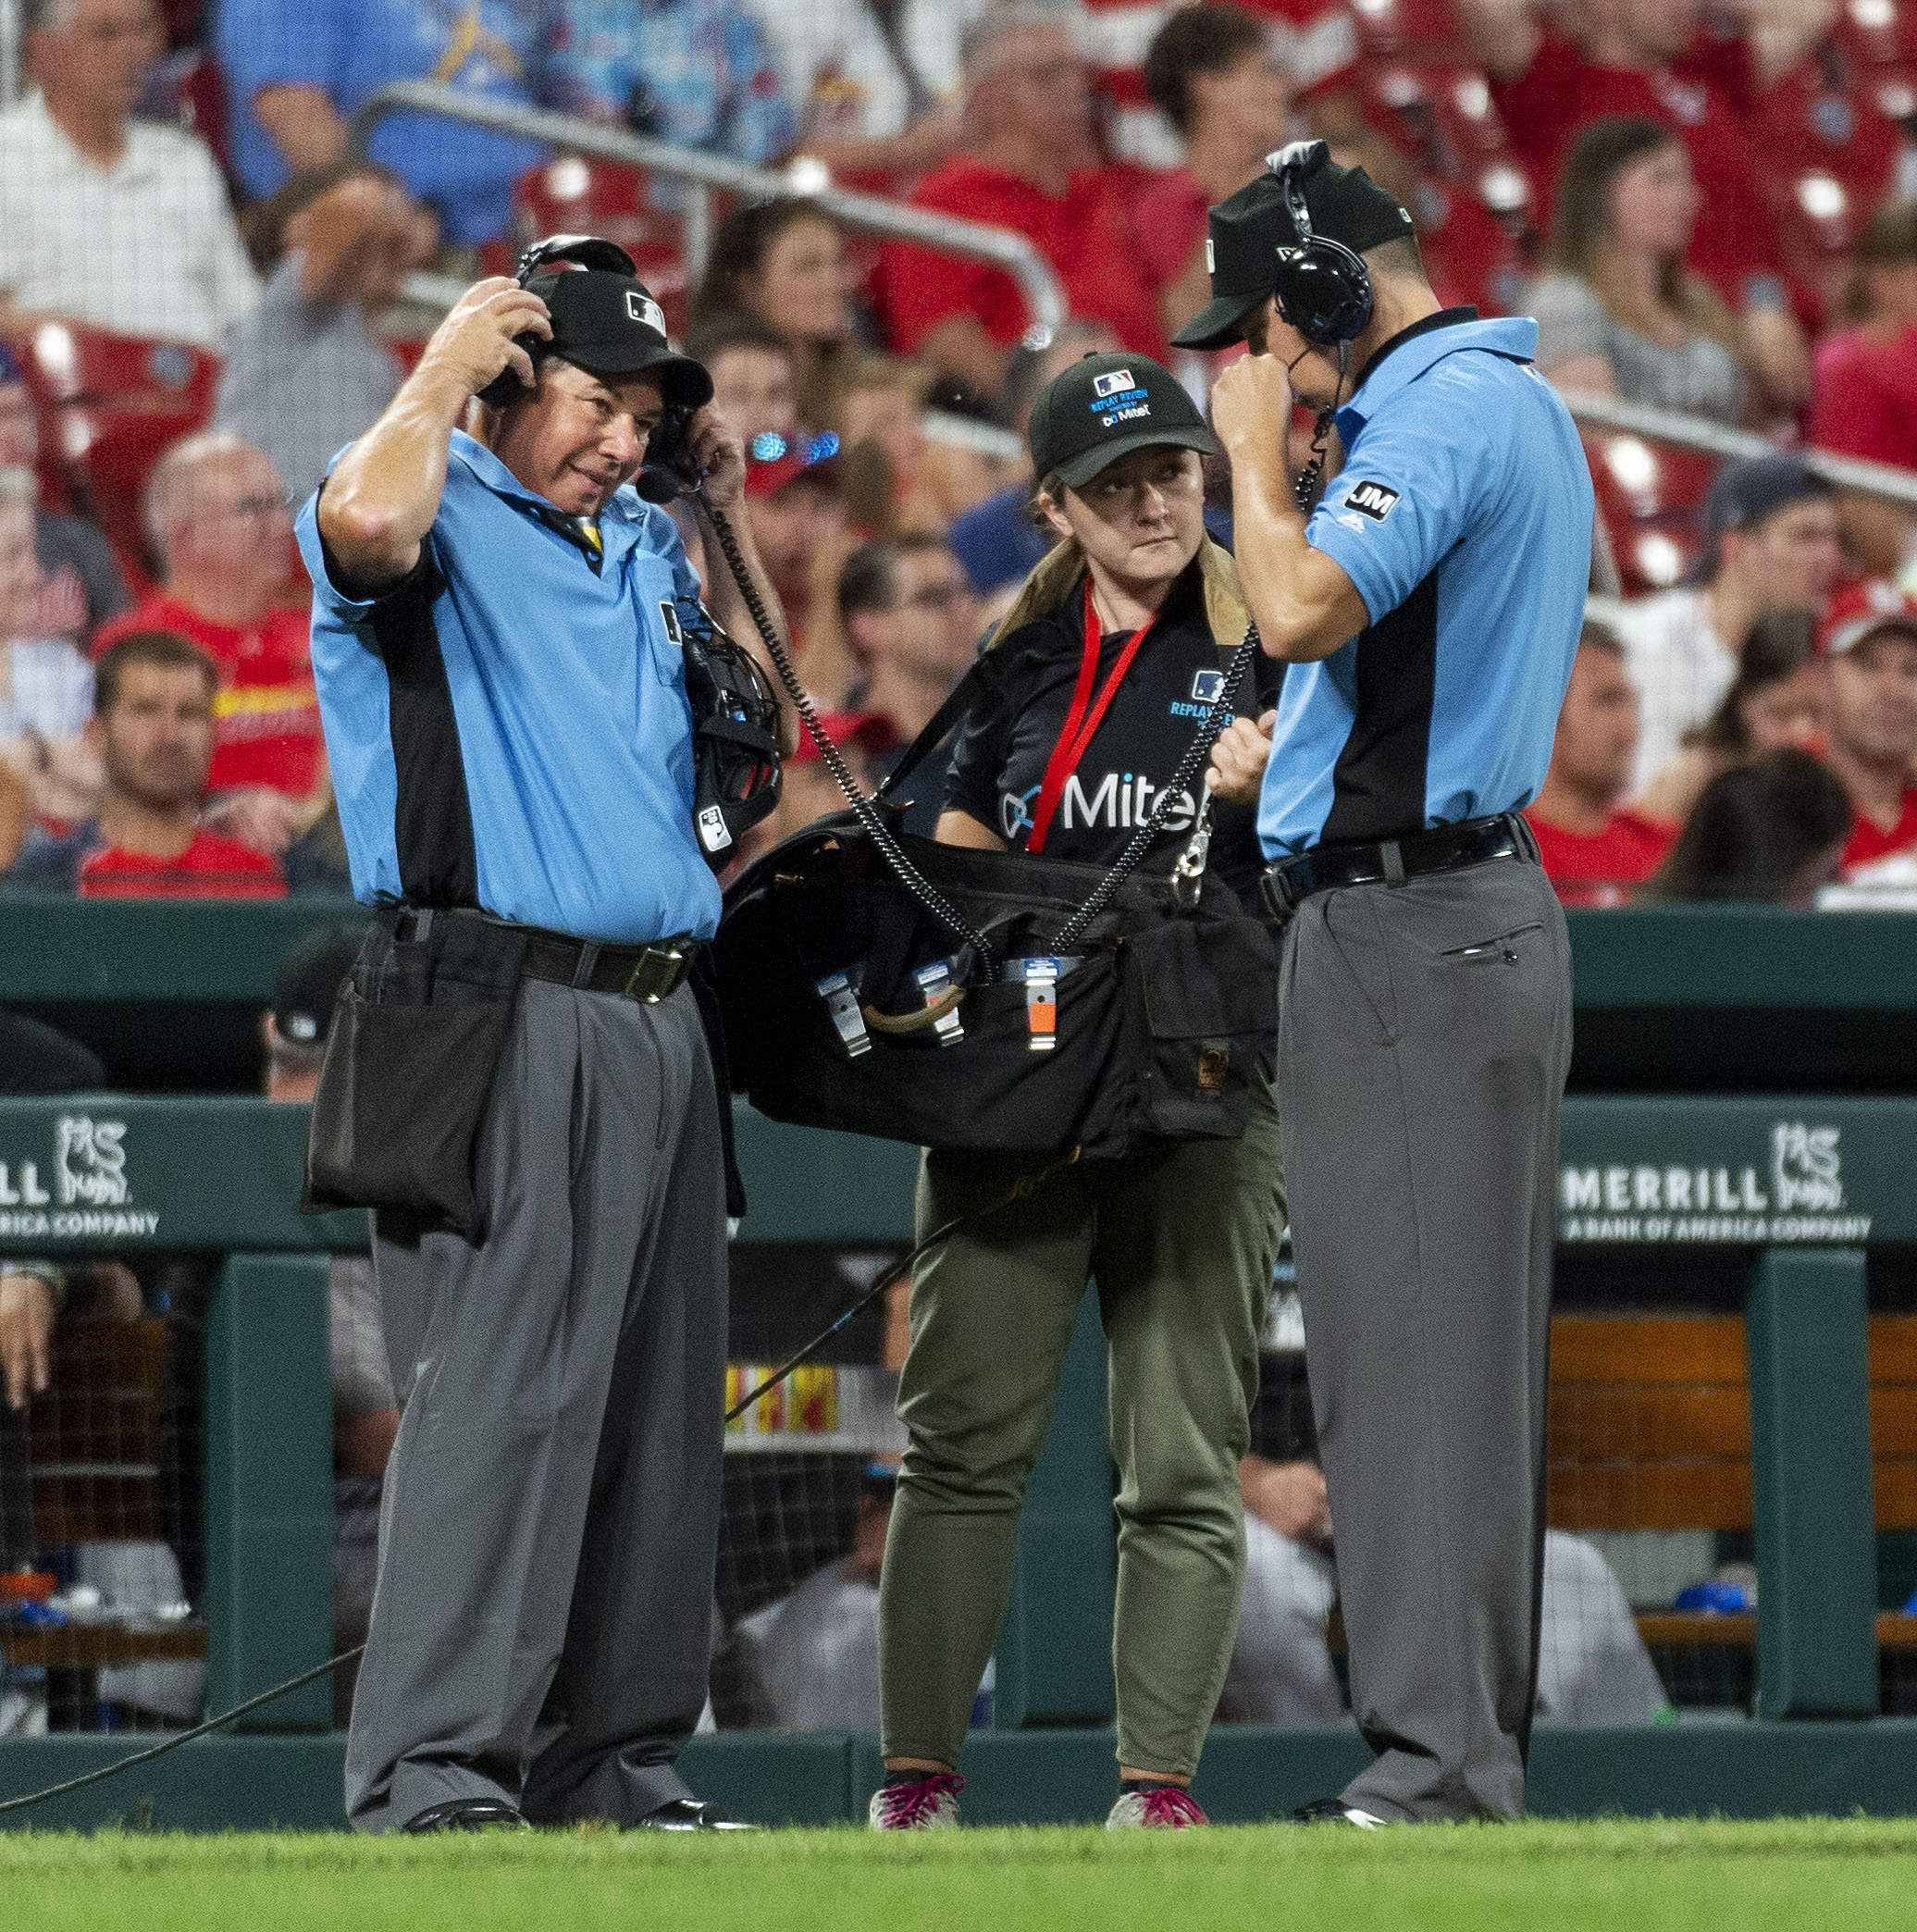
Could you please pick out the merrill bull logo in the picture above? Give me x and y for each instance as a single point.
(1806, 1168)
(90, 1161)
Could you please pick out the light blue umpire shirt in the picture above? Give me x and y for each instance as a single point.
(1463, 516)
(508, 727)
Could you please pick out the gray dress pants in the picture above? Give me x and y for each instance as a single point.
(552, 1510)
(1424, 1036)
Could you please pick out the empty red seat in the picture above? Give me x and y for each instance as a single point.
(108, 405)
(573, 195)
(1475, 202)
(1651, 497)
(1424, 27)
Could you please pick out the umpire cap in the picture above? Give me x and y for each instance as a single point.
(611, 325)
(1245, 231)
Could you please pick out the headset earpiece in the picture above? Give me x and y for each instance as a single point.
(588, 251)
(1323, 288)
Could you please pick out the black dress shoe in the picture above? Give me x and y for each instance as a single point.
(468, 1815)
(691, 1815)
(1335, 1811)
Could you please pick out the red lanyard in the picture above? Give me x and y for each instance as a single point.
(1081, 722)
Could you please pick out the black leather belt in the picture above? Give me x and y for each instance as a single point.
(1291, 882)
(647, 973)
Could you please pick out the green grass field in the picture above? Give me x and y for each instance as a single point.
(1851, 1875)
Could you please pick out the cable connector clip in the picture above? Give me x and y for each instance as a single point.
(842, 1002)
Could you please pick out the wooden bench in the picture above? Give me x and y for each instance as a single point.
(1651, 1422)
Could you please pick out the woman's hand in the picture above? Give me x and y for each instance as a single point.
(1239, 757)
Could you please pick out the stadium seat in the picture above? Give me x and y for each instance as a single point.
(1836, 154)
(1650, 498)
(1474, 201)
(76, 364)
(108, 405)
(573, 195)
(1424, 27)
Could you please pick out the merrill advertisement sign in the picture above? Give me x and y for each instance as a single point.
(80, 1192)
(1737, 1172)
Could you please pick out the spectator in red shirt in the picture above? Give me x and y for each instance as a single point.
(1649, 57)
(217, 515)
(153, 728)
(1866, 401)
(1871, 639)
(1224, 76)
(1214, 73)
(1593, 850)
(1030, 167)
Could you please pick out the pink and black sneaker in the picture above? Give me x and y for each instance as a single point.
(920, 1801)
(1155, 1808)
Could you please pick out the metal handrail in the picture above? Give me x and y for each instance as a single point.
(976, 240)
(1665, 426)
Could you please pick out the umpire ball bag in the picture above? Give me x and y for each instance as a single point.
(848, 1005)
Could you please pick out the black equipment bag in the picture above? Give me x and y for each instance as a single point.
(1165, 1026)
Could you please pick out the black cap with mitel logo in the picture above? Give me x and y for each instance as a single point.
(1104, 407)
(1245, 231)
(611, 325)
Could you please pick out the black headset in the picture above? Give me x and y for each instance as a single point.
(590, 253)
(1323, 288)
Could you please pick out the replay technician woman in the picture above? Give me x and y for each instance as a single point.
(1111, 656)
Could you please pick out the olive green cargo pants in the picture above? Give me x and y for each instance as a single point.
(1180, 1242)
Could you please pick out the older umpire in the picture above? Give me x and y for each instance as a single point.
(1432, 600)
(496, 639)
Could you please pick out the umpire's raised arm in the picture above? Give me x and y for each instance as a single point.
(518, 1079)
(1430, 606)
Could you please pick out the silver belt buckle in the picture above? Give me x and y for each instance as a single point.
(656, 974)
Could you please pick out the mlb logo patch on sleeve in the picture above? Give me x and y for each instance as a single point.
(1373, 500)
(669, 616)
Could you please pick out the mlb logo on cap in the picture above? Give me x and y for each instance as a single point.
(642, 308)
(1111, 382)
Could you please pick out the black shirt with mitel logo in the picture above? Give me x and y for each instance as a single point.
(999, 755)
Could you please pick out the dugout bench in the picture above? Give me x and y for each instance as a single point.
(1786, 1192)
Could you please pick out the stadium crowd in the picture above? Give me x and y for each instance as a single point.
(201, 297)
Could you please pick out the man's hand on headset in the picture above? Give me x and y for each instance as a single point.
(1251, 406)
(719, 451)
(477, 342)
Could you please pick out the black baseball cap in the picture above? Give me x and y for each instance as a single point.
(1747, 490)
(611, 325)
(308, 983)
(1245, 231)
(1106, 405)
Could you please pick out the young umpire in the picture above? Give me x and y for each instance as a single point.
(497, 633)
(1430, 607)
